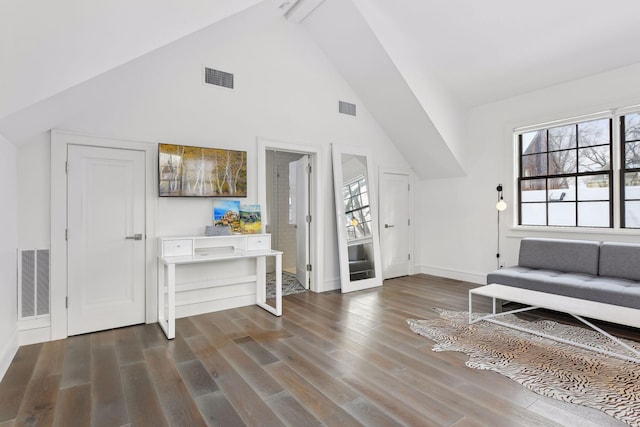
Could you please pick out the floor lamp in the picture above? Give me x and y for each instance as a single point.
(500, 206)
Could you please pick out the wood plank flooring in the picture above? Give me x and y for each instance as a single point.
(331, 359)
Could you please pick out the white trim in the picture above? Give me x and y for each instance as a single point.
(332, 284)
(8, 352)
(58, 257)
(34, 336)
(518, 231)
(465, 276)
(612, 112)
(316, 254)
(627, 110)
(566, 121)
(35, 322)
(381, 198)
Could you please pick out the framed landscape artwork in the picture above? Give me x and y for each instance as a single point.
(186, 171)
(250, 219)
(241, 219)
(227, 213)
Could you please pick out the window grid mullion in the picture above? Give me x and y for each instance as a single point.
(576, 175)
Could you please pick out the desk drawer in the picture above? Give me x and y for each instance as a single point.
(178, 247)
(255, 243)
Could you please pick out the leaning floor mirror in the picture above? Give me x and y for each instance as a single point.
(356, 218)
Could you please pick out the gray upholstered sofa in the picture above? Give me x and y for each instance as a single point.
(599, 271)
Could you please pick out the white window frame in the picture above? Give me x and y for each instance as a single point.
(518, 230)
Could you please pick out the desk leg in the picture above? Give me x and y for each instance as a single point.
(278, 285)
(261, 281)
(168, 278)
(261, 285)
(171, 301)
(161, 284)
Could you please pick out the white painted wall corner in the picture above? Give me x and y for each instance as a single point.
(7, 353)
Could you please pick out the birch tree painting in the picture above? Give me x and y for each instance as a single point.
(201, 172)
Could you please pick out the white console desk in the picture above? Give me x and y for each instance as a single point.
(181, 250)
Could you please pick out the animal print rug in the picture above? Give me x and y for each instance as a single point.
(547, 367)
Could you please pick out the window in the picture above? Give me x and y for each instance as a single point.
(358, 214)
(566, 177)
(630, 170)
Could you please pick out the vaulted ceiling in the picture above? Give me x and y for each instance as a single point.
(419, 66)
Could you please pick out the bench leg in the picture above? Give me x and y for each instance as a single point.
(612, 338)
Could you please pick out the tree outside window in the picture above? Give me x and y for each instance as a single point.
(565, 175)
(357, 211)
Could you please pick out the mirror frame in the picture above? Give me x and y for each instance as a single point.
(345, 281)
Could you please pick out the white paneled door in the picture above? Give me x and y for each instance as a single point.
(302, 213)
(106, 238)
(395, 233)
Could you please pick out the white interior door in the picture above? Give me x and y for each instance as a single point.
(302, 226)
(106, 238)
(395, 241)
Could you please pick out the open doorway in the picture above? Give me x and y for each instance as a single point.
(287, 191)
(287, 213)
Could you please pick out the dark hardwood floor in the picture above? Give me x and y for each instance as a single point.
(331, 359)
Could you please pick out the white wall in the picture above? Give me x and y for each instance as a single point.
(361, 58)
(76, 41)
(8, 245)
(445, 111)
(458, 229)
(286, 89)
(34, 165)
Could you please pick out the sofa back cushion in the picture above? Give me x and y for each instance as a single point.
(576, 256)
(621, 260)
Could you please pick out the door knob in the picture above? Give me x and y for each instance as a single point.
(389, 226)
(134, 237)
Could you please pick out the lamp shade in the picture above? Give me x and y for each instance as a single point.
(501, 205)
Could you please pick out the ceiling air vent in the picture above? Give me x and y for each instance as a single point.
(346, 108)
(218, 78)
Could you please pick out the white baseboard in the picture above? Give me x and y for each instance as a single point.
(477, 278)
(330, 285)
(7, 353)
(34, 335)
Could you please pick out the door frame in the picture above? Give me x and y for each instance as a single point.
(316, 239)
(382, 199)
(58, 275)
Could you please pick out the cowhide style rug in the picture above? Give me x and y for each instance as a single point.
(547, 367)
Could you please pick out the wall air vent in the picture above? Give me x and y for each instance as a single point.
(218, 78)
(346, 108)
(33, 292)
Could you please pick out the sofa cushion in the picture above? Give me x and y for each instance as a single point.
(530, 278)
(608, 290)
(575, 256)
(621, 260)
